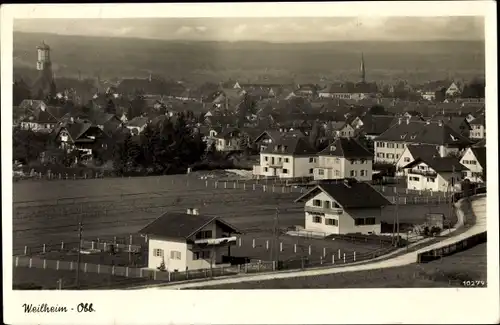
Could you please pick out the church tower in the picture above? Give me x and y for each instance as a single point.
(44, 84)
(362, 69)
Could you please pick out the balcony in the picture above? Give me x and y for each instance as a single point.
(274, 164)
(429, 173)
(323, 210)
(216, 241)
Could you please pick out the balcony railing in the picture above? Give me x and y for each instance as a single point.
(323, 210)
(216, 241)
(274, 164)
(422, 172)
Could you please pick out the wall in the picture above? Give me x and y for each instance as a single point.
(478, 132)
(338, 168)
(401, 162)
(279, 171)
(473, 174)
(441, 181)
(168, 245)
(385, 148)
(227, 144)
(347, 225)
(302, 166)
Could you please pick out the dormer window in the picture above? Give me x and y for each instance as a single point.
(413, 136)
(403, 136)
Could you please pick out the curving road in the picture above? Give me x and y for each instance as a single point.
(473, 217)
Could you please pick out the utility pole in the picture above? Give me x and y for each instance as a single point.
(80, 229)
(452, 181)
(397, 218)
(276, 236)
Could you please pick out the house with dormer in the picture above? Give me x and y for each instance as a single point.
(287, 157)
(391, 144)
(474, 159)
(344, 206)
(188, 241)
(436, 174)
(478, 128)
(228, 139)
(344, 158)
(78, 135)
(412, 152)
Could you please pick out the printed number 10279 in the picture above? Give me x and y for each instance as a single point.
(474, 284)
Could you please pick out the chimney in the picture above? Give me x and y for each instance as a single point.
(440, 123)
(428, 122)
(189, 211)
(408, 120)
(399, 120)
(195, 211)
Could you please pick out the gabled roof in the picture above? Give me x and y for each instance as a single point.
(480, 144)
(182, 225)
(480, 154)
(349, 193)
(457, 123)
(347, 148)
(439, 164)
(337, 125)
(424, 133)
(76, 130)
(376, 124)
(276, 134)
(480, 120)
(422, 150)
(228, 133)
(291, 145)
(138, 121)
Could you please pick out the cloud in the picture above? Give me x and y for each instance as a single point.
(240, 29)
(184, 30)
(201, 28)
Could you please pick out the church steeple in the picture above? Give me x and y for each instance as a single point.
(362, 69)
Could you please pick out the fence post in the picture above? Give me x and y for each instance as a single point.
(62, 245)
(85, 267)
(234, 185)
(225, 184)
(60, 284)
(17, 261)
(253, 187)
(104, 246)
(333, 258)
(405, 199)
(344, 257)
(253, 243)
(246, 268)
(281, 246)
(31, 262)
(130, 239)
(44, 248)
(273, 188)
(206, 183)
(339, 253)
(282, 190)
(98, 268)
(126, 271)
(354, 256)
(324, 251)
(140, 272)
(93, 245)
(113, 271)
(114, 240)
(154, 274)
(309, 249)
(274, 265)
(57, 265)
(295, 248)
(71, 266)
(25, 250)
(215, 184)
(244, 186)
(267, 244)
(239, 241)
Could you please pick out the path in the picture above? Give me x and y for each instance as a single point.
(477, 212)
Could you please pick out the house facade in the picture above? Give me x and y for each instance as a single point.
(188, 241)
(478, 128)
(413, 152)
(287, 157)
(228, 140)
(343, 207)
(435, 174)
(344, 158)
(475, 161)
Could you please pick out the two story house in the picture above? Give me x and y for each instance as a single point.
(391, 144)
(437, 174)
(475, 161)
(478, 128)
(287, 157)
(138, 124)
(188, 241)
(344, 158)
(228, 139)
(344, 206)
(413, 152)
(78, 135)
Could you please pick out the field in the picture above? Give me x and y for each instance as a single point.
(48, 212)
(449, 271)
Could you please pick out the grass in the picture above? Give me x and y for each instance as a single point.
(449, 271)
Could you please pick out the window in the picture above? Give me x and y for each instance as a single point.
(266, 158)
(414, 178)
(337, 160)
(359, 221)
(204, 234)
(285, 171)
(279, 159)
(317, 219)
(326, 204)
(431, 179)
(331, 222)
(353, 173)
(311, 160)
(311, 171)
(286, 160)
(407, 159)
(175, 255)
(362, 172)
(157, 252)
(337, 173)
(321, 171)
(390, 145)
(317, 203)
(265, 169)
(201, 255)
(370, 221)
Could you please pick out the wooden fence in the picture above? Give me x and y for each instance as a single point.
(451, 249)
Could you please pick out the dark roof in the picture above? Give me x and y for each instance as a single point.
(480, 154)
(347, 148)
(479, 144)
(77, 129)
(291, 145)
(276, 134)
(228, 133)
(422, 150)
(138, 121)
(349, 193)
(457, 123)
(481, 120)
(439, 164)
(434, 86)
(377, 124)
(423, 132)
(181, 225)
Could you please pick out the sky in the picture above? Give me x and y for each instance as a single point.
(267, 29)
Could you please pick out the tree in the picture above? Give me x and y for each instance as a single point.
(137, 106)
(440, 95)
(377, 110)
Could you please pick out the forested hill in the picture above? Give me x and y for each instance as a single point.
(122, 57)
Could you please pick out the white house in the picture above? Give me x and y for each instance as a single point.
(343, 207)
(344, 158)
(435, 174)
(391, 144)
(340, 129)
(413, 152)
(188, 241)
(137, 125)
(478, 126)
(475, 160)
(453, 90)
(228, 140)
(289, 156)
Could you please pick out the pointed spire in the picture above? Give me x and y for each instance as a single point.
(362, 68)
